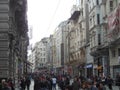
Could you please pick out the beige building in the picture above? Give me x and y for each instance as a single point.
(77, 39)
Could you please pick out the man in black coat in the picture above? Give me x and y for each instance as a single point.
(28, 82)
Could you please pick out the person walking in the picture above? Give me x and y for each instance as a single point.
(28, 82)
(75, 84)
(11, 84)
(54, 82)
(109, 82)
(118, 80)
(22, 83)
(101, 86)
(5, 85)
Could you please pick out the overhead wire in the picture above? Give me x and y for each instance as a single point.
(52, 19)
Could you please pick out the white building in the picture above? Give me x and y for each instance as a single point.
(40, 54)
(34, 58)
(104, 35)
(60, 46)
(31, 64)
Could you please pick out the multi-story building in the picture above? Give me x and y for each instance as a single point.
(78, 37)
(41, 54)
(95, 33)
(34, 58)
(51, 51)
(60, 47)
(31, 63)
(104, 35)
(112, 32)
(13, 38)
(86, 58)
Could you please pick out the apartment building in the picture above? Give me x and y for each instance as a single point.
(113, 34)
(31, 62)
(42, 53)
(104, 36)
(98, 49)
(78, 35)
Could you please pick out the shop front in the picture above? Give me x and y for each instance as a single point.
(89, 69)
(116, 70)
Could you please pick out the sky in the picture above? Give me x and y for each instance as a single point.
(45, 15)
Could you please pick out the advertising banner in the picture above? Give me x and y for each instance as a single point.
(114, 25)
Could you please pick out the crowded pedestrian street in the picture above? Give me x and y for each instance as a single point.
(59, 44)
(32, 86)
(57, 88)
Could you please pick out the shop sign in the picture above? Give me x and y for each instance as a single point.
(89, 66)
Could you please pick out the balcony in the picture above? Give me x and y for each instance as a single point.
(99, 50)
(75, 12)
(82, 43)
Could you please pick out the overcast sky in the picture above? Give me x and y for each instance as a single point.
(45, 15)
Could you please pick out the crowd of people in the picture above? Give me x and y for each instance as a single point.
(45, 81)
(65, 82)
(7, 84)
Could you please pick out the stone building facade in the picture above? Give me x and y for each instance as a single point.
(104, 36)
(13, 38)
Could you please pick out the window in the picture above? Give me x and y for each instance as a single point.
(78, 2)
(90, 21)
(111, 5)
(80, 26)
(98, 18)
(93, 19)
(99, 39)
(44, 59)
(44, 54)
(113, 53)
(97, 2)
(118, 51)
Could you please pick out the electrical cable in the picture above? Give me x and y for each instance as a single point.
(53, 15)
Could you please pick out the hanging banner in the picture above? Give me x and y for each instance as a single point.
(114, 24)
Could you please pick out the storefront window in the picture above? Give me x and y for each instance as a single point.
(116, 69)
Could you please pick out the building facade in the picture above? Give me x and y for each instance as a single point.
(41, 54)
(104, 36)
(113, 35)
(13, 38)
(78, 38)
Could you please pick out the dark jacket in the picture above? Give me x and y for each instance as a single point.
(75, 85)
